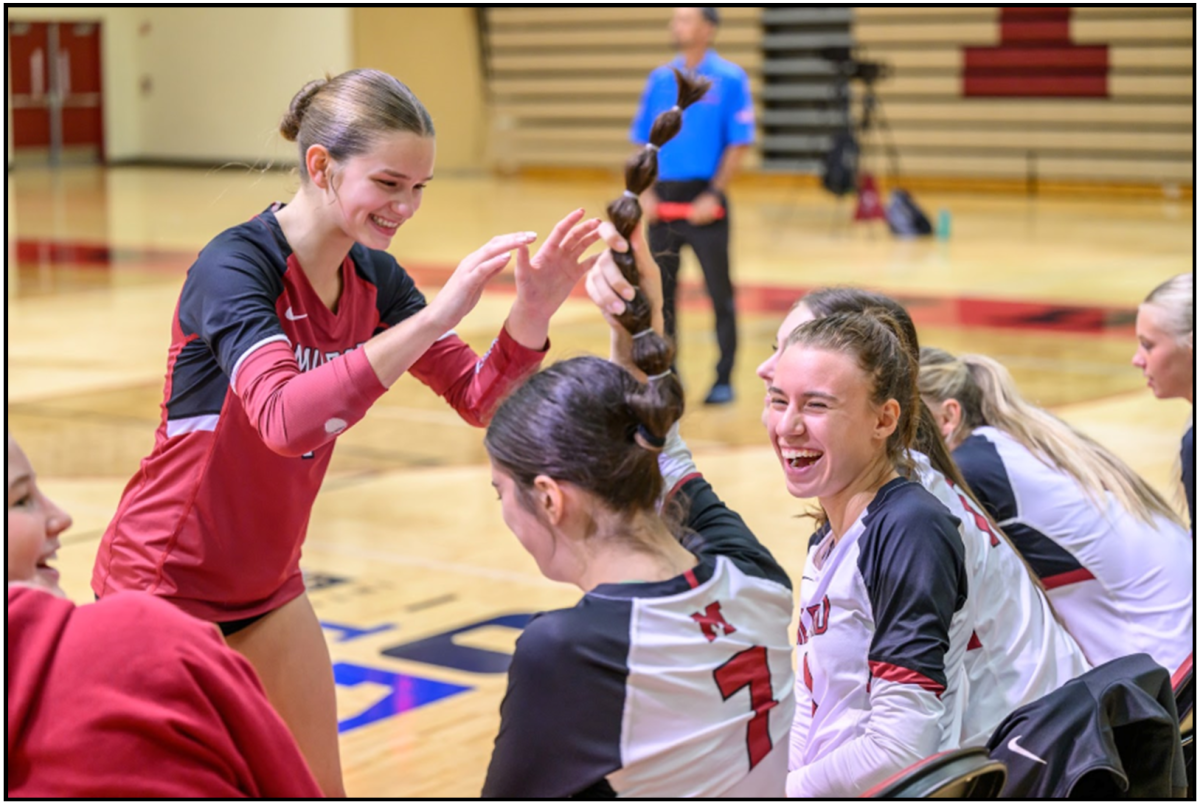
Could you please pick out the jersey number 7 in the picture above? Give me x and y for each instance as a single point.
(749, 668)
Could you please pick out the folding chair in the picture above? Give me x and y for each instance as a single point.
(955, 774)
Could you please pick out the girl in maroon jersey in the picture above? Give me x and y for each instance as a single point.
(288, 328)
(128, 697)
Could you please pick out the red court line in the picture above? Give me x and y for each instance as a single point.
(927, 311)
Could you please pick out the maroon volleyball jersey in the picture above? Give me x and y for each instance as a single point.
(214, 519)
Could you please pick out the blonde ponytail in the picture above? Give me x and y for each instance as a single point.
(988, 395)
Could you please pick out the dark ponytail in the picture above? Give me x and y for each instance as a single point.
(659, 404)
(587, 421)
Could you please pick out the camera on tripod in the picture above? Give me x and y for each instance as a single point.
(841, 162)
(851, 68)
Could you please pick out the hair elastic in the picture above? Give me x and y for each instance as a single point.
(675, 108)
(643, 333)
(631, 194)
(659, 376)
(651, 441)
(651, 147)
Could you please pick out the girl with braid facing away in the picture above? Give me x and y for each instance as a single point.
(672, 677)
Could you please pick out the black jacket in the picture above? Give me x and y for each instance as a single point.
(1110, 733)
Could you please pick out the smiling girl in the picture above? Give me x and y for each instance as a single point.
(126, 698)
(884, 622)
(1018, 650)
(288, 328)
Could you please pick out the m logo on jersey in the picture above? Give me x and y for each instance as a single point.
(309, 358)
(711, 620)
(818, 618)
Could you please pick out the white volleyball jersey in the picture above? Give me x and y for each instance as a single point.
(881, 643)
(1018, 651)
(680, 688)
(1119, 585)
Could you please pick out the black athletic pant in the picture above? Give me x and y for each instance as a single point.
(711, 246)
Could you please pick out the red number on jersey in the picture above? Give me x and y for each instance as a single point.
(749, 668)
(980, 520)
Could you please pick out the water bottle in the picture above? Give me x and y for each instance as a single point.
(943, 225)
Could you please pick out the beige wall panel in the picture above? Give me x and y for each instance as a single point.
(1124, 58)
(1151, 86)
(1041, 111)
(1135, 12)
(222, 77)
(949, 85)
(1091, 140)
(750, 60)
(1048, 168)
(567, 110)
(436, 52)
(1109, 31)
(573, 156)
(571, 86)
(916, 13)
(948, 58)
(927, 33)
(730, 15)
(504, 38)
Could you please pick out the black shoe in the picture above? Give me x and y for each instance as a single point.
(721, 394)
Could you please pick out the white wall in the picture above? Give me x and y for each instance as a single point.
(206, 84)
(223, 77)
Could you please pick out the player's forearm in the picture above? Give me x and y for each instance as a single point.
(529, 328)
(295, 413)
(475, 386)
(731, 163)
(396, 349)
(903, 728)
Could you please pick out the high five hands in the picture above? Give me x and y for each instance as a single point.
(543, 280)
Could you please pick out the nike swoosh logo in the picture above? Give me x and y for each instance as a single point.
(290, 316)
(1013, 747)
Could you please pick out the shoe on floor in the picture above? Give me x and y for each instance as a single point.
(721, 394)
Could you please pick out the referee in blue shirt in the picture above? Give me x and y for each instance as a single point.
(688, 204)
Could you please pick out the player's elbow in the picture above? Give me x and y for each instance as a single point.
(288, 442)
(288, 448)
(476, 416)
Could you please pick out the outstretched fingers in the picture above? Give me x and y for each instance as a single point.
(492, 266)
(562, 229)
(581, 238)
(500, 245)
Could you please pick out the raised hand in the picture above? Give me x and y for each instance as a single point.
(461, 292)
(608, 288)
(544, 281)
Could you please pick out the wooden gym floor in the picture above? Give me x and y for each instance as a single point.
(407, 552)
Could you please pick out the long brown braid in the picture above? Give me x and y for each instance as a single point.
(661, 405)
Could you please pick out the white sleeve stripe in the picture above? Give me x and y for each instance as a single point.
(445, 335)
(246, 354)
(178, 427)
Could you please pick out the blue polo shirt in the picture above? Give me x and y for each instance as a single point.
(723, 117)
